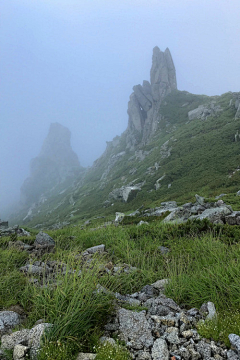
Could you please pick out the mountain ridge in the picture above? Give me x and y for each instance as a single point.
(176, 144)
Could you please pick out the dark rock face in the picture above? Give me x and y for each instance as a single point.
(144, 103)
(56, 163)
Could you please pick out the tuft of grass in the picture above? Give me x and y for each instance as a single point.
(12, 282)
(205, 270)
(106, 351)
(227, 322)
(56, 350)
(72, 302)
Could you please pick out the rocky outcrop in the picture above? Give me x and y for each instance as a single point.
(204, 111)
(56, 164)
(123, 193)
(166, 331)
(13, 231)
(144, 103)
(3, 224)
(237, 105)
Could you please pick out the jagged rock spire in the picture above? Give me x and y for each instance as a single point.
(144, 103)
(55, 164)
(162, 74)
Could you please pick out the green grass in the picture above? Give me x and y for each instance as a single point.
(12, 282)
(227, 322)
(203, 265)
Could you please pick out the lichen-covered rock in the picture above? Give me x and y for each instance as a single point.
(235, 341)
(44, 239)
(8, 342)
(35, 337)
(8, 319)
(94, 249)
(215, 215)
(134, 329)
(160, 350)
(19, 352)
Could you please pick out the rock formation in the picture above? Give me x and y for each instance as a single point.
(237, 105)
(56, 164)
(204, 111)
(144, 103)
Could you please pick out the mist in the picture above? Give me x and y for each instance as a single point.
(75, 63)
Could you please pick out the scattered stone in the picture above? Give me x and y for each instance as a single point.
(142, 223)
(86, 356)
(211, 311)
(119, 216)
(94, 249)
(134, 329)
(8, 342)
(160, 284)
(8, 320)
(160, 350)
(35, 336)
(164, 250)
(199, 199)
(235, 342)
(19, 352)
(44, 239)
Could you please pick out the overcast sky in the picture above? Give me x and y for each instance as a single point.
(75, 62)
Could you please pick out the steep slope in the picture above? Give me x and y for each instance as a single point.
(176, 144)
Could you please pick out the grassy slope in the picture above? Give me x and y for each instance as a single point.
(203, 155)
(203, 265)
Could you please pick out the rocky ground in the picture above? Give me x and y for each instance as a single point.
(155, 327)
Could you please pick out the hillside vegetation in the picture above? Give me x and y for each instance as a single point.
(202, 265)
(197, 156)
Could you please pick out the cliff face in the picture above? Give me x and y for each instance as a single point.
(56, 164)
(145, 101)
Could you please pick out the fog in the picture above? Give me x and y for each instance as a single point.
(75, 62)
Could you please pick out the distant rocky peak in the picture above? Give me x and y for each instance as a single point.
(56, 164)
(144, 103)
(57, 142)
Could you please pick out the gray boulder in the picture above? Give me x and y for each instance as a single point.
(160, 350)
(119, 216)
(233, 219)
(203, 111)
(44, 239)
(235, 342)
(199, 199)
(178, 216)
(215, 215)
(124, 193)
(94, 249)
(231, 355)
(35, 337)
(160, 284)
(8, 320)
(134, 329)
(211, 311)
(35, 270)
(19, 352)
(8, 342)
(196, 113)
